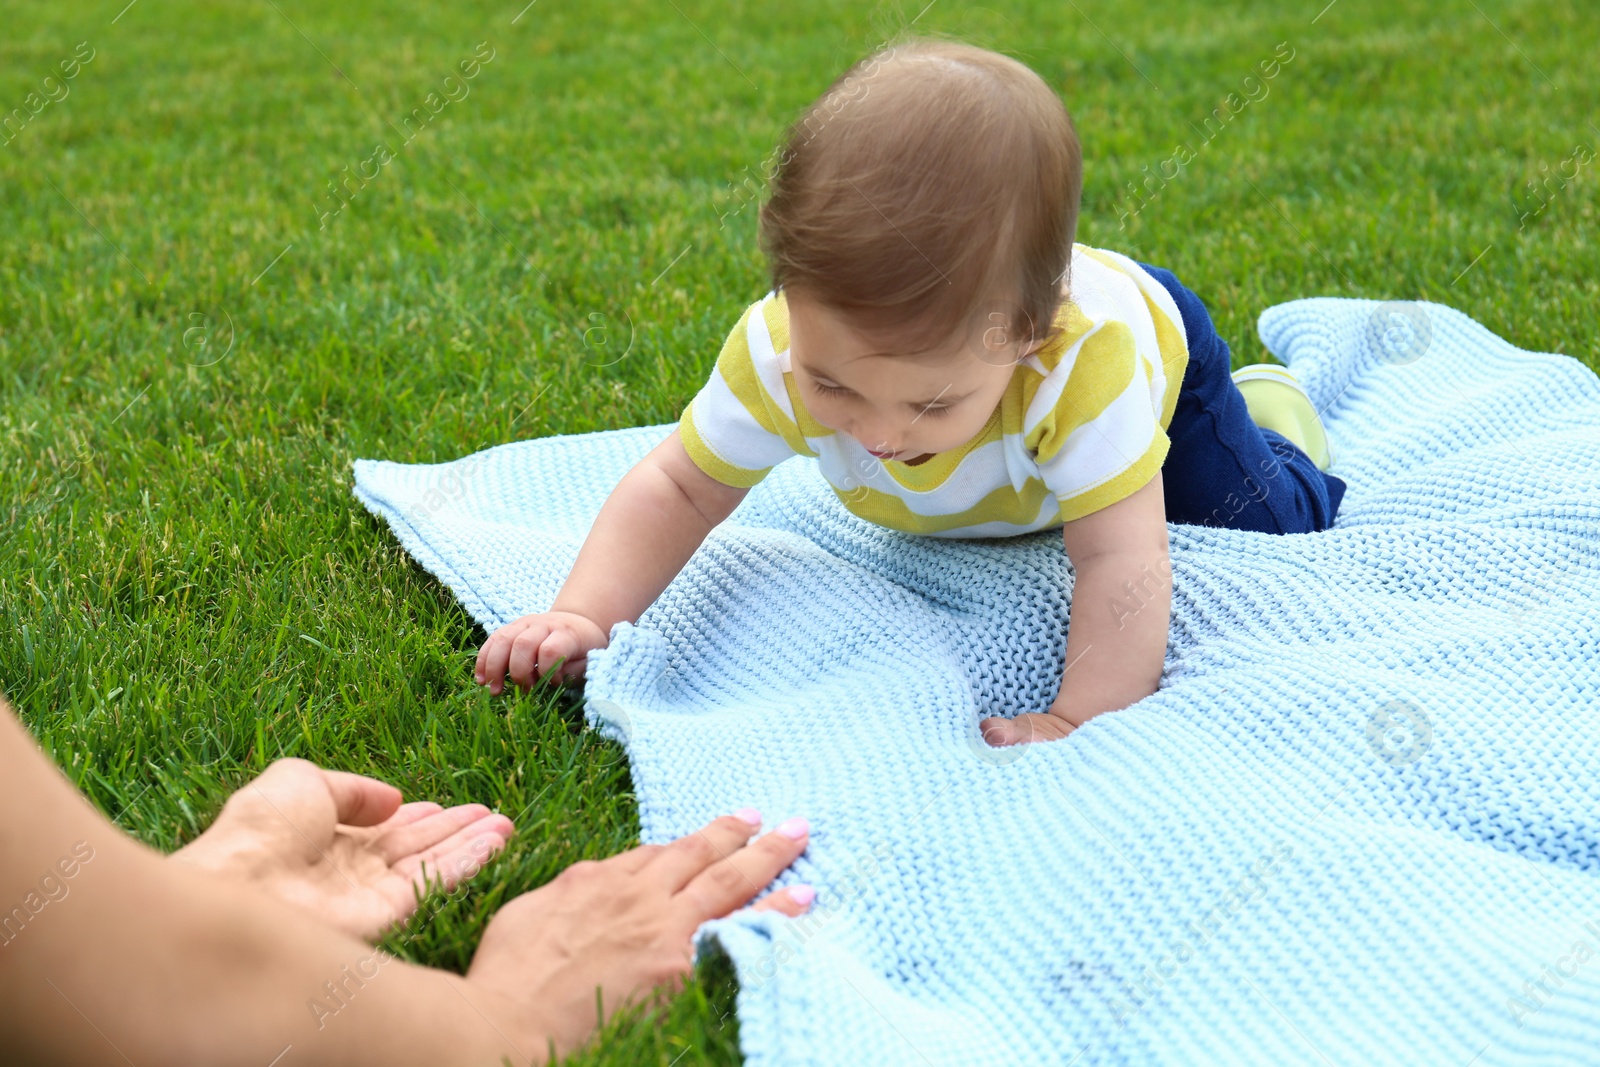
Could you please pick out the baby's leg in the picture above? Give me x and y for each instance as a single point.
(1223, 469)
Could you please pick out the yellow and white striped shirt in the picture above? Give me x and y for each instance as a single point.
(1081, 426)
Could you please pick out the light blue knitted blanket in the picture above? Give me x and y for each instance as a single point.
(1359, 823)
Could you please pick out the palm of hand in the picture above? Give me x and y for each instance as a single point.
(363, 879)
(342, 846)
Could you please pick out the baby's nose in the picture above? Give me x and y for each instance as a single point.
(879, 442)
(879, 436)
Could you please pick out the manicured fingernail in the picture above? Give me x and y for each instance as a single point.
(802, 894)
(749, 815)
(794, 829)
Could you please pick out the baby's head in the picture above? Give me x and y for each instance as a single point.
(920, 226)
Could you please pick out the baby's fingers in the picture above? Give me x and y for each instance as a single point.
(495, 655)
(481, 662)
(559, 646)
(524, 658)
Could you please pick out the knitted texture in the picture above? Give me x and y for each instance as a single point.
(1358, 823)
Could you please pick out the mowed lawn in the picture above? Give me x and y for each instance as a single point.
(243, 245)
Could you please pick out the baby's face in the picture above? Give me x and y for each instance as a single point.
(897, 405)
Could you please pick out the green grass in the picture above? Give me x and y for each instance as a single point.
(189, 588)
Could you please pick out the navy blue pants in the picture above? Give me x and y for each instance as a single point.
(1223, 469)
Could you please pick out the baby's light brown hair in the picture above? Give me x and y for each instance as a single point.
(931, 179)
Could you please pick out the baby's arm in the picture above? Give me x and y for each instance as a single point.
(649, 526)
(1121, 611)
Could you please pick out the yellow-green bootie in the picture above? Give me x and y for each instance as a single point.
(1277, 402)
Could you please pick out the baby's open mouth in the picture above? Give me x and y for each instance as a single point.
(908, 460)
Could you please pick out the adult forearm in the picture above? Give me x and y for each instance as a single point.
(644, 534)
(168, 965)
(108, 952)
(1116, 635)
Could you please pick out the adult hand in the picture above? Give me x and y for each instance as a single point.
(530, 647)
(342, 845)
(624, 925)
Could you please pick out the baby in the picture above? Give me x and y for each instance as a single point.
(959, 366)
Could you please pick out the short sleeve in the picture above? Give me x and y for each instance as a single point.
(1094, 424)
(736, 428)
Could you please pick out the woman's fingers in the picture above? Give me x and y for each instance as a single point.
(724, 871)
(792, 902)
(638, 857)
(635, 858)
(409, 813)
(685, 859)
(458, 856)
(623, 926)
(733, 882)
(359, 800)
(430, 831)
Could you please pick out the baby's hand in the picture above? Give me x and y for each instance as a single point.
(530, 647)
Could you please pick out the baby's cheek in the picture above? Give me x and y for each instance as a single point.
(824, 414)
(950, 440)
